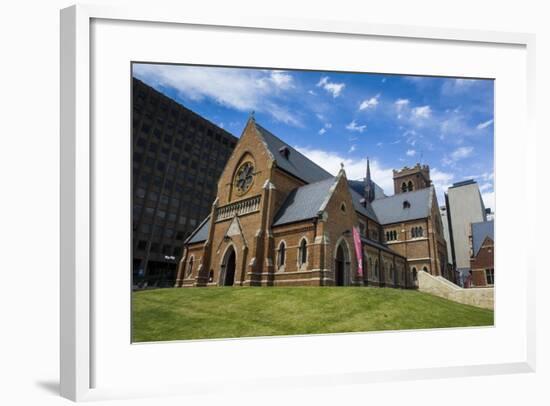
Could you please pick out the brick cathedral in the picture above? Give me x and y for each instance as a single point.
(280, 220)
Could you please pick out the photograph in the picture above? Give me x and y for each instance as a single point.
(273, 202)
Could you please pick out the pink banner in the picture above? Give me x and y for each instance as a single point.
(358, 251)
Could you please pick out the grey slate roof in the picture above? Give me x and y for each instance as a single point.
(304, 202)
(480, 231)
(296, 164)
(359, 187)
(200, 234)
(390, 209)
(365, 211)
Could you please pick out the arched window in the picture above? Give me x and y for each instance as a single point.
(414, 274)
(190, 266)
(376, 268)
(391, 272)
(410, 186)
(302, 252)
(281, 255)
(343, 207)
(403, 187)
(394, 235)
(417, 232)
(425, 269)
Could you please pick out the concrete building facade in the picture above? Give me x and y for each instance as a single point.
(464, 207)
(177, 158)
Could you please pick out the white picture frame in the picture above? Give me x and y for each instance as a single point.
(77, 188)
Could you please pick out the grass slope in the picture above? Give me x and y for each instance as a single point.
(178, 314)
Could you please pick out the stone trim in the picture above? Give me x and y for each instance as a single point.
(239, 208)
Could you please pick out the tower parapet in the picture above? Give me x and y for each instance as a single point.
(410, 179)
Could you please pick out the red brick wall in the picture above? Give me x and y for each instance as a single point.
(485, 259)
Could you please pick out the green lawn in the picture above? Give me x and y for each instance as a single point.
(195, 313)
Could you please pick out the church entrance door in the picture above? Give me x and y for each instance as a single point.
(228, 268)
(340, 264)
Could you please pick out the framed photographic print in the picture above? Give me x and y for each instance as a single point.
(289, 202)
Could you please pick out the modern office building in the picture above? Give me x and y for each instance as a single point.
(178, 157)
(464, 207)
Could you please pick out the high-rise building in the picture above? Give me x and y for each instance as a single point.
(178, 157)
(464, 207)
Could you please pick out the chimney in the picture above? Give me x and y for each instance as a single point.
(284, 151)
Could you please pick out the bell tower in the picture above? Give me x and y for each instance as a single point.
(411, 179)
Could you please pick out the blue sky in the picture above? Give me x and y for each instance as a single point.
(335, 117)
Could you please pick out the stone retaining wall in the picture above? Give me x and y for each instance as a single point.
(439, 286)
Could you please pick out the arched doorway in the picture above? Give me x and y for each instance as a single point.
(227, 274)
(341, 265)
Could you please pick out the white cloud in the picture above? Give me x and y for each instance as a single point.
(485, 124)
(311, 92)
(485, 187)
(422, 112)
(355, 168)
(456, 86)
(441, 181)
(240, 89)
(411, 152)
(333, 88)
(489, 200)
(461, 153)
(282, 79)
(326, 126)
(351, 149)
(354, 127)
(400, 103)
(454, 125)
(369, 103)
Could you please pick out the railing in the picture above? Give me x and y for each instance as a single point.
(239, 208)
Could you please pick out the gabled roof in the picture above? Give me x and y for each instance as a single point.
(304, 202)
(359, 187)
(296, 164)
(200, 233)
(480, 231)
(393, 210)
(367, 211)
